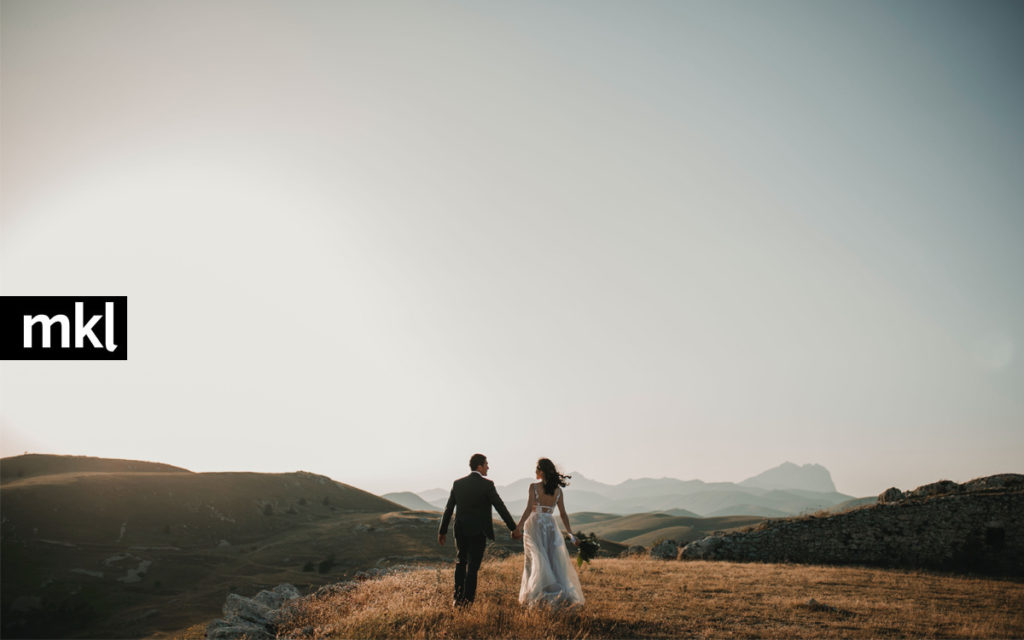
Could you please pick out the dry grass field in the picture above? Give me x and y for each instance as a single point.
(643, 598)
(646, 528)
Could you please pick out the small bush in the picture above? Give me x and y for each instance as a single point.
(326, 564)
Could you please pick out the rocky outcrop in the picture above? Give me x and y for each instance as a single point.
(665, 550)
(890, 495)
(976, 526)
(252, 618)
(256, 618)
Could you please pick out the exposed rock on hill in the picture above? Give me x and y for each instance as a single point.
(976, 526)
(252, 618)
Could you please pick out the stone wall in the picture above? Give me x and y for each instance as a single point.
(976, 527)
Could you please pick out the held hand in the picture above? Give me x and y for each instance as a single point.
(441, 538)
(517, 533)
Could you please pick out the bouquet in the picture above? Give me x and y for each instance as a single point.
(588, 547)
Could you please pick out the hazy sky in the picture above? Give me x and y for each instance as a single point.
(689, 239)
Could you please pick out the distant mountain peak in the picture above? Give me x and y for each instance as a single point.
(788, 475)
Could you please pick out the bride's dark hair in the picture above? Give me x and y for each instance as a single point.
(552, 478)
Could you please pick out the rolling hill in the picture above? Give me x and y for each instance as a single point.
(124, 553)
(645, 528)
(34, 464)
(410, 500)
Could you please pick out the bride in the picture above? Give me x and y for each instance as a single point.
(548, 574)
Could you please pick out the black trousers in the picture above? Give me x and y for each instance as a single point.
(471, 554)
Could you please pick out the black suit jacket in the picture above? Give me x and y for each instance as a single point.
(472, 498)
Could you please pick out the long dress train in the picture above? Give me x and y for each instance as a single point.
(548, 574)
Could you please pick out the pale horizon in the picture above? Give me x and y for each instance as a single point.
(505, 477)
(646, 239)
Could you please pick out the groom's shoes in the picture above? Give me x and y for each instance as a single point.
(461, 603)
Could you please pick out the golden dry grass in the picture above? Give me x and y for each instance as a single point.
(628, 598)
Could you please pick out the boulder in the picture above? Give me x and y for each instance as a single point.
(935, 489)
(241, 608)
(703, 549)
(890, 495)
(666, 550)
(276, 597)
(252, 618)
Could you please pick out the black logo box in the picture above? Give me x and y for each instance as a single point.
(103, 319)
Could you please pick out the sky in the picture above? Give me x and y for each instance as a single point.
(644, 239)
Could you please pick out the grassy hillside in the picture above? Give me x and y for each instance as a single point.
(89, 553)
(35, 464)
(645, 528)
(695, 498)
(128, 553)
(650, 599)
(410, 500)
(177, 508)
(587, 518)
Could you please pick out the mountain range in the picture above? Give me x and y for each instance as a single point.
(785, 490)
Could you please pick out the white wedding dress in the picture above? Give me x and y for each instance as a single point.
(548, 574)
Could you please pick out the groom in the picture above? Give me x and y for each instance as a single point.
(472, 497)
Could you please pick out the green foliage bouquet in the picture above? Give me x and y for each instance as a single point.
(588, 547)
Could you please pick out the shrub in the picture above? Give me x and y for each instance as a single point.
(326, 564)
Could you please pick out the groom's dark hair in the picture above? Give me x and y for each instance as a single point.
(477, 460)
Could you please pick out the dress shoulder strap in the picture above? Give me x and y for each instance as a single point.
(536, 495)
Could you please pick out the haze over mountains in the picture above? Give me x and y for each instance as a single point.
(785, 490)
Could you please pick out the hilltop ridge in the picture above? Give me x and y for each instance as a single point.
(43, 464)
